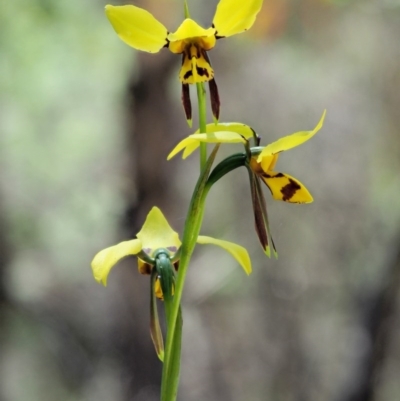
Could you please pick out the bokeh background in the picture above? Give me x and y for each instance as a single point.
(86, 123)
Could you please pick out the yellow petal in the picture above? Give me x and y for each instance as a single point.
(190, 29)
(192, 142)
(235, 16)
(137, 28)
(187, 143)
(237, 251)
(290, 141)
(239, 128)
(286, 188)
(107, 258)
(157, 233)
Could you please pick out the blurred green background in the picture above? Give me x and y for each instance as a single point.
(86, 123)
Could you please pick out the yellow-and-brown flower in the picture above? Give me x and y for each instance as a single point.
(260, 162)
(155, 244)
(142, 31)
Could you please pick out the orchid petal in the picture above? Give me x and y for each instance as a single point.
(235, 16)
(286, 188)
(237, 251)
(239, 128)
(137, 28)
(290, 141)
(192, 142)
(105, 260)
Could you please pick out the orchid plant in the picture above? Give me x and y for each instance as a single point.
(157, 246)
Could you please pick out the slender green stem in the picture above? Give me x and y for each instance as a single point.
(171, 368)
(201, 98)
(170, 376)
(194, 219)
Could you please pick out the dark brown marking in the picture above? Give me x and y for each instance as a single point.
(279, 175)
(290, 189)
(146, 269)
(188, 74)
(202, 71)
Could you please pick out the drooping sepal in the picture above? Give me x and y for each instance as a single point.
(187, 104)
(260, 215)
(214, 99)
(155, 329)
(237, 251)
(106, 259)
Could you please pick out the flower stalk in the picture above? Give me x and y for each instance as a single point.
(170, 374)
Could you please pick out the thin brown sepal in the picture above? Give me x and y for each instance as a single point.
(258, 214)
(187, 105)
(214, 98)
(264, 214)
(155, 329)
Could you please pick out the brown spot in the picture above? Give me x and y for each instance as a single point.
(147, 250)
(202, 71)
(144, 268)
(279, 175)
(188, 74)
(172, 248)
(290, 189)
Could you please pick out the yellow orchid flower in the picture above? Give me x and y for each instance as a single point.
(260, 163)
(142, 31)
(156, 234)
(282, 186)
(156, 239)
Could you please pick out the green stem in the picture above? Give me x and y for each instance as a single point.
(201, 98)
(194, 219)
(172, 361)
(170, 375)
